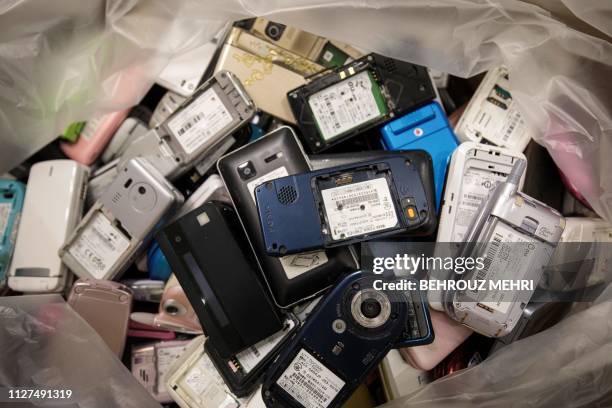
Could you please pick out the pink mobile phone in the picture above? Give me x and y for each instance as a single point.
(449, 335)
(95, 136)
(175, 311)
(138, 329)
(106, 306)
(583, 180)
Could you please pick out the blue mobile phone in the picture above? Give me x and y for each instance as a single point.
(12, 194)
(342, 205)
(426, 128)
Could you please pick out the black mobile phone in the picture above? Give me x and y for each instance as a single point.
(293, 278)
(208, 252)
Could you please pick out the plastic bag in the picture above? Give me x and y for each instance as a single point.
(64, 61)
(575, 372)
(46, 345)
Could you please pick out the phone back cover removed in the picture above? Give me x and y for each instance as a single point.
(291, 278)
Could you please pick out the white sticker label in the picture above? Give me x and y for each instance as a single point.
(475, 187)
(5, 212)
(99, 246)
(359, 208)
(345, 105)
(509, 255)
(250, 357)
(296, 264)
(498, 118)
(199, 121)
(207, 385)
(164, 359)
(308, 381)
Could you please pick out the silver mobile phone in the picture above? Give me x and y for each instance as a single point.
(216, 110)
(121, 223)
(515, 235)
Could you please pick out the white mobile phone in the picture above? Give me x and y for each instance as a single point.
(193, 381)
(53, 206)
(183, 73)
(474, 171)
(492, 115)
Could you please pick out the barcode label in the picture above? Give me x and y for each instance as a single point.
(514, 120)
(99, 246)
(190, 124)
(354, 200)
(492, 250)
(345, 105)
(200, 122)
(359, 208)
(308, 381)
(509, 254)
(475, 187)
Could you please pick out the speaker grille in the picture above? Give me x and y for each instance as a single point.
(287, 195)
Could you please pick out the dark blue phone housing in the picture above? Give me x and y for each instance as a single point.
(293, 216)
(349, 354)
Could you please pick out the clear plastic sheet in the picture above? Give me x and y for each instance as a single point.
(568, 365)
(46, 345)
(67, 60)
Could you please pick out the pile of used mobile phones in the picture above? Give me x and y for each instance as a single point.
(212, 234)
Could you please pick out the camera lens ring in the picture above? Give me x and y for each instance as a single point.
(174, 308)
(370, 295)
(274, 31)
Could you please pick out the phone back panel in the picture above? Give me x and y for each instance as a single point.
(106, 306)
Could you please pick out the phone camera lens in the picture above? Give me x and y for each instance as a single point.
(246, 170)
(172, 310)
(275, 30)
(371, 308)
(142, 190)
